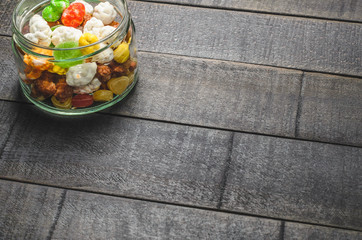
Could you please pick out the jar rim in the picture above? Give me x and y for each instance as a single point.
(121, 29)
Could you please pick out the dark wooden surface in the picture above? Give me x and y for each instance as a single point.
(246, 124)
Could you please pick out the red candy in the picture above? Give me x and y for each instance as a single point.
(82, 100)
(73, 15)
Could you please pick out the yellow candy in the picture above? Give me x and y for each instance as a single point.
(121, 54)
(131, 78)
(58, 70)
(86, 39)
(65, 105)
(102, 96)
(118, 85)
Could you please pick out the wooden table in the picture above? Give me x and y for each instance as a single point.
(246, 123)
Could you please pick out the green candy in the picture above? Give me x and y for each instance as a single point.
(59, 5)
(55, 27)
(67, 54)
(50, 15)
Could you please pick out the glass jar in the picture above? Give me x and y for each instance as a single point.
(75, 70)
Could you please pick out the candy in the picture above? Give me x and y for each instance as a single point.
(58, 70)
(104, 56)
(38, 38)
(65, 34)
(82, 100)
(32, 73)
(73, 15)
(103, 96)
(104, 73)
(38, 24)
(105, 12)
(55, 27)
(50, 14)
(44, 87)
(67, 104)
(86, 39)
(81, 74)
(95, 79)
(121, 54)
(88, 7)
(37, 63)
(67, 54)
(59, 5)
(131, 78)
(105, 32)
(64, 91)
(89, 88)
(118, 85)
(86, 18)
(93, 26)
(40, 31)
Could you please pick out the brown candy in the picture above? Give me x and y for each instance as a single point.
(130, 65)
(114, 24)
(86, 18)
(63, 91)
(43, 87)
(32, 73)
(52, 24)
(117, 69)
(104, 73)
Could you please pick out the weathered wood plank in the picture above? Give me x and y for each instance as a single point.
(104, 217)
(8, 114)
(248, 97)
(291, 42)
(216, 94)
(331, 109)
(6, 10)
(27, 211)
(303, 231)
(332, 9)
(291, 179)
(9, 87)
(122, 156)
(201, 92)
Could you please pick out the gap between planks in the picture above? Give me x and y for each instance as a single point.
(204, 127)
(66, 189)
(251, 11)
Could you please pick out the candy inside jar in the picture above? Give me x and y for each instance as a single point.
(75, 57)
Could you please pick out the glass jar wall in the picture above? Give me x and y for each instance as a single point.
(76, 57)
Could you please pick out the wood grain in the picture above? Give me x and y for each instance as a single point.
(104, 217)
(8, 114)
(303, 231)
(122, 156)
(332, 9)
(256, 99)
(291, 179)
(215, 94)
(6, 10)
(27, 211)
(9, 87)
(233, 96)
(305, 44)
(331, 109)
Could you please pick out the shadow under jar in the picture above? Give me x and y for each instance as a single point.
(81, 63)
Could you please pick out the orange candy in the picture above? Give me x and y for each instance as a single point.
(73, 15)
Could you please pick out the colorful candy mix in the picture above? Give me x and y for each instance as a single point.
(85, 81)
